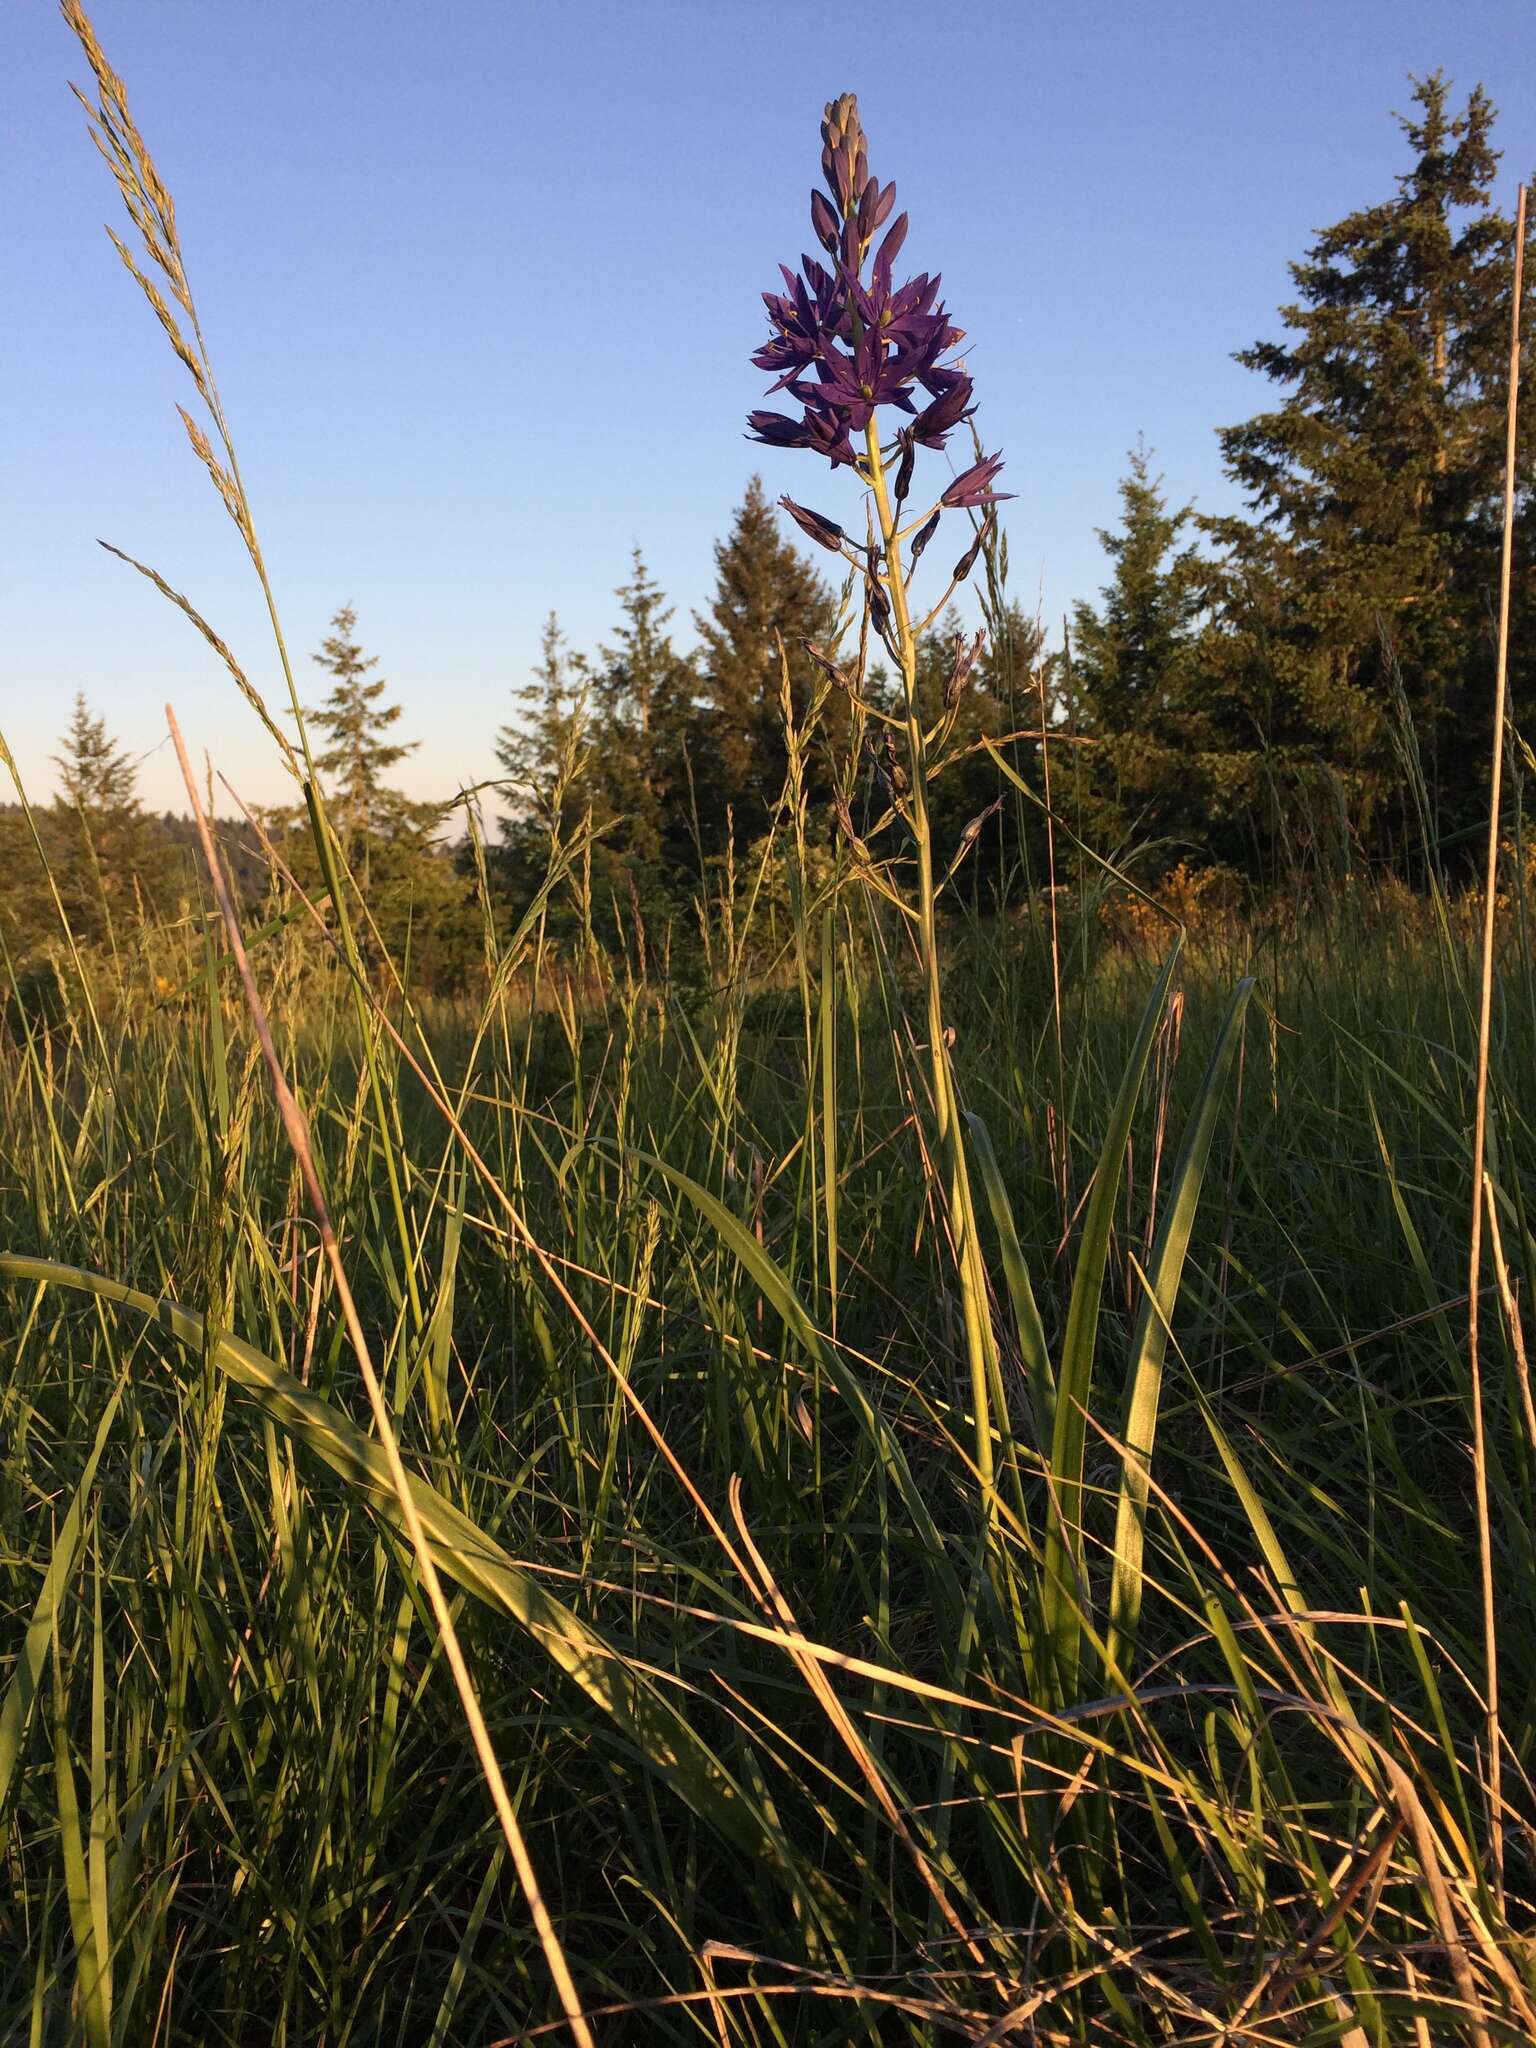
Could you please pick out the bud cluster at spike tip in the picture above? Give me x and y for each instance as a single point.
(842, 346)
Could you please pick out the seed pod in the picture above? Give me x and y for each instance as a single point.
(904, 468)
(967, 561)
(839, 677)
(968, 836)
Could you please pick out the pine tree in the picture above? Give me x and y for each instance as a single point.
(1374, 485)
(104, 852)
(765, 593)
(419, 902)
(645, 718)
(359, 756)
(1136, 683)
(547, 743)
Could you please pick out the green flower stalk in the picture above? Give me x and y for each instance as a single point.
(850, 345)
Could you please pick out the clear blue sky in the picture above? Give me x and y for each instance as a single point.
(481, 279)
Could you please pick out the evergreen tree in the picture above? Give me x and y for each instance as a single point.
(106, 859)
(422, 906)
(765, 592)
(546, 754)
(968, 695)
(548, 742)
(1374, 484)
(359, 756)
(645, 718)
(1136, 680)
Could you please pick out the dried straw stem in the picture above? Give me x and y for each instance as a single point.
(1484, 1033)
(298, 1137)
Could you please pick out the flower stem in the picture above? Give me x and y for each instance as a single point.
(981, 1348)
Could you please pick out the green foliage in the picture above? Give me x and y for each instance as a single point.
(767, 602)
(1137, 682)
(1368, 564)
(421, 912)
(106, 859)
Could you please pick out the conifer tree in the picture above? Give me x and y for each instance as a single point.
(546, 754)
(106, 859)
(970, 694)
(547, 741)
(645, 717)
(420, 904)
(1136, 683)
(359, 756)
(1373, 485)
(765, 593)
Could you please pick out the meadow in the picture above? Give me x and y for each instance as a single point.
(924, 1480)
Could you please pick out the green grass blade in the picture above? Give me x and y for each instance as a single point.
(1149, 1342)
(21, 1693)
(1028, 1327)
(466, 1554)
(1063, 1593)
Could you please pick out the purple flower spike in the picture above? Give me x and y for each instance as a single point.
(847, 341)
(972, 488)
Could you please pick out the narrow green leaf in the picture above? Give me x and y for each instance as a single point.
(1149, 1342)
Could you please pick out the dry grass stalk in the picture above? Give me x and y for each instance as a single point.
(297, 1133)
(1484, 1034)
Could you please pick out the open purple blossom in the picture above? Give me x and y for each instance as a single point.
(844, 344)
(972, 488)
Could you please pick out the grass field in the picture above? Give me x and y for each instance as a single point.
(925, 1482)
(790, 1705)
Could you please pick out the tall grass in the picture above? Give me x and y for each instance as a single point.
(894, 1614)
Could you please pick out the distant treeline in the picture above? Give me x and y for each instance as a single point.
(1286, 693)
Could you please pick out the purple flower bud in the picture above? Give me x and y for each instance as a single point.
(867, 201)
(777, 430)
(973, 487)
(884, 204)
(936, 422)
(824, 531)
(824, 222)
(929, 529)
(890, 248)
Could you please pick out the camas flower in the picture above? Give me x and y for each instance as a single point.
(972, 488)
(844, 346)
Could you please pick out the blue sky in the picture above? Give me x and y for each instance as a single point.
(480, 282)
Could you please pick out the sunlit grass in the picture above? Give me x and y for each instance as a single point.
(1138, 1702)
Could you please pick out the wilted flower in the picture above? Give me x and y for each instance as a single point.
(967, 561)
(929, 528)
(964, 660)
(825, 532)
